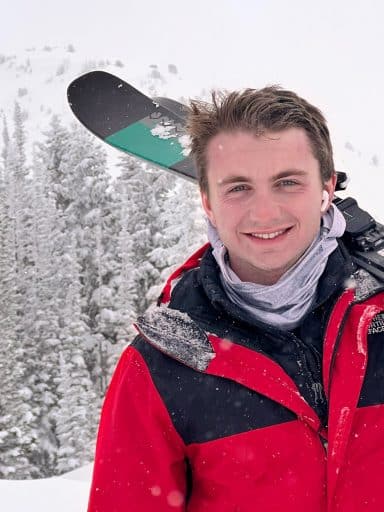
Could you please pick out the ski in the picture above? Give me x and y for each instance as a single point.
(173, 106)
(128, 120)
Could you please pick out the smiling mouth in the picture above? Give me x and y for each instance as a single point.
(269, 236)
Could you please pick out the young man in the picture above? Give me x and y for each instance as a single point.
(258, 382)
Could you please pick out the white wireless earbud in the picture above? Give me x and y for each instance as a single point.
(324, 202)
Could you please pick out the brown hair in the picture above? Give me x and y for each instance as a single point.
(257, 110)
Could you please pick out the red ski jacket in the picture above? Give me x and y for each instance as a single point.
(201, 420)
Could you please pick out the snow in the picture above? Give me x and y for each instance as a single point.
(185, 143)
(165, 131)
(66, 493)
(175, 334)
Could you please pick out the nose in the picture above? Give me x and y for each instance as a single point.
(263, 209)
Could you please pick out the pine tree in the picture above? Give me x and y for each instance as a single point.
(83, 195)
(49, 241)
(18, 410)
(181, 231)
(139, 210)
(51, 153)
(19, 140)
(78, 404)
(6, 141)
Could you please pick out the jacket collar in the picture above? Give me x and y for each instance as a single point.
(334, 280)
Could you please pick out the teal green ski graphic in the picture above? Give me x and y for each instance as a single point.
(128, 120)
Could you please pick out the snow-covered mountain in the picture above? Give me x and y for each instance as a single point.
(38, 79)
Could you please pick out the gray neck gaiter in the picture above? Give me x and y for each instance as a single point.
(284, 303)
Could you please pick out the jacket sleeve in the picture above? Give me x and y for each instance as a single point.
(140, 458)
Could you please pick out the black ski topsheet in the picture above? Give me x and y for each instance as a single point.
(173, 106)
(128, 120)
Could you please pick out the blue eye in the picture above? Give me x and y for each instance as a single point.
(239, 188)
(287, 183)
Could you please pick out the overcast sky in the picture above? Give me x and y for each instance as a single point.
(331, 52)
(235, 42)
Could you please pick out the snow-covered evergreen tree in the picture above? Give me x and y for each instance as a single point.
(18, 409)
(6, 140)
(145, 192)
(126, 280)
(82, 188)
(51, 154)
(181, 231)
(78, 404)
(49, 241)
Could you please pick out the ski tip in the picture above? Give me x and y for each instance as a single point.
(91, 82)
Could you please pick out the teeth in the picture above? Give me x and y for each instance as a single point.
(267, 235)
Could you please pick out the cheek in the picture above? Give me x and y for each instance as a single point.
(308, 216)
(230, 214)
(311, 220)
(309, 208)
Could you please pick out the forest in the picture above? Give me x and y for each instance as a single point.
(82, 254)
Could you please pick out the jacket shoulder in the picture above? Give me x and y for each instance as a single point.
(175, 334)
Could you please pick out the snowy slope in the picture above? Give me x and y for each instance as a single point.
(37, 79)
(67, 493)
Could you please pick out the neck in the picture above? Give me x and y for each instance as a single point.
(257, 275)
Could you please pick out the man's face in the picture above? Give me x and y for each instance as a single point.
(265, 196)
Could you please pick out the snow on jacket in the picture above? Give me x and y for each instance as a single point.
(209, 411)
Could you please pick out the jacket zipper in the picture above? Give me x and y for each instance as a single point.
(313, 384)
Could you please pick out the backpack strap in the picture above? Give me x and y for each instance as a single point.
(364, 237)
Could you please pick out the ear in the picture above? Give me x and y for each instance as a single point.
(207, 207)
(328, 193)
(324, 202)
(330, 185)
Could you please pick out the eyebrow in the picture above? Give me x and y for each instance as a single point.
(244, 179)
(289, 172)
